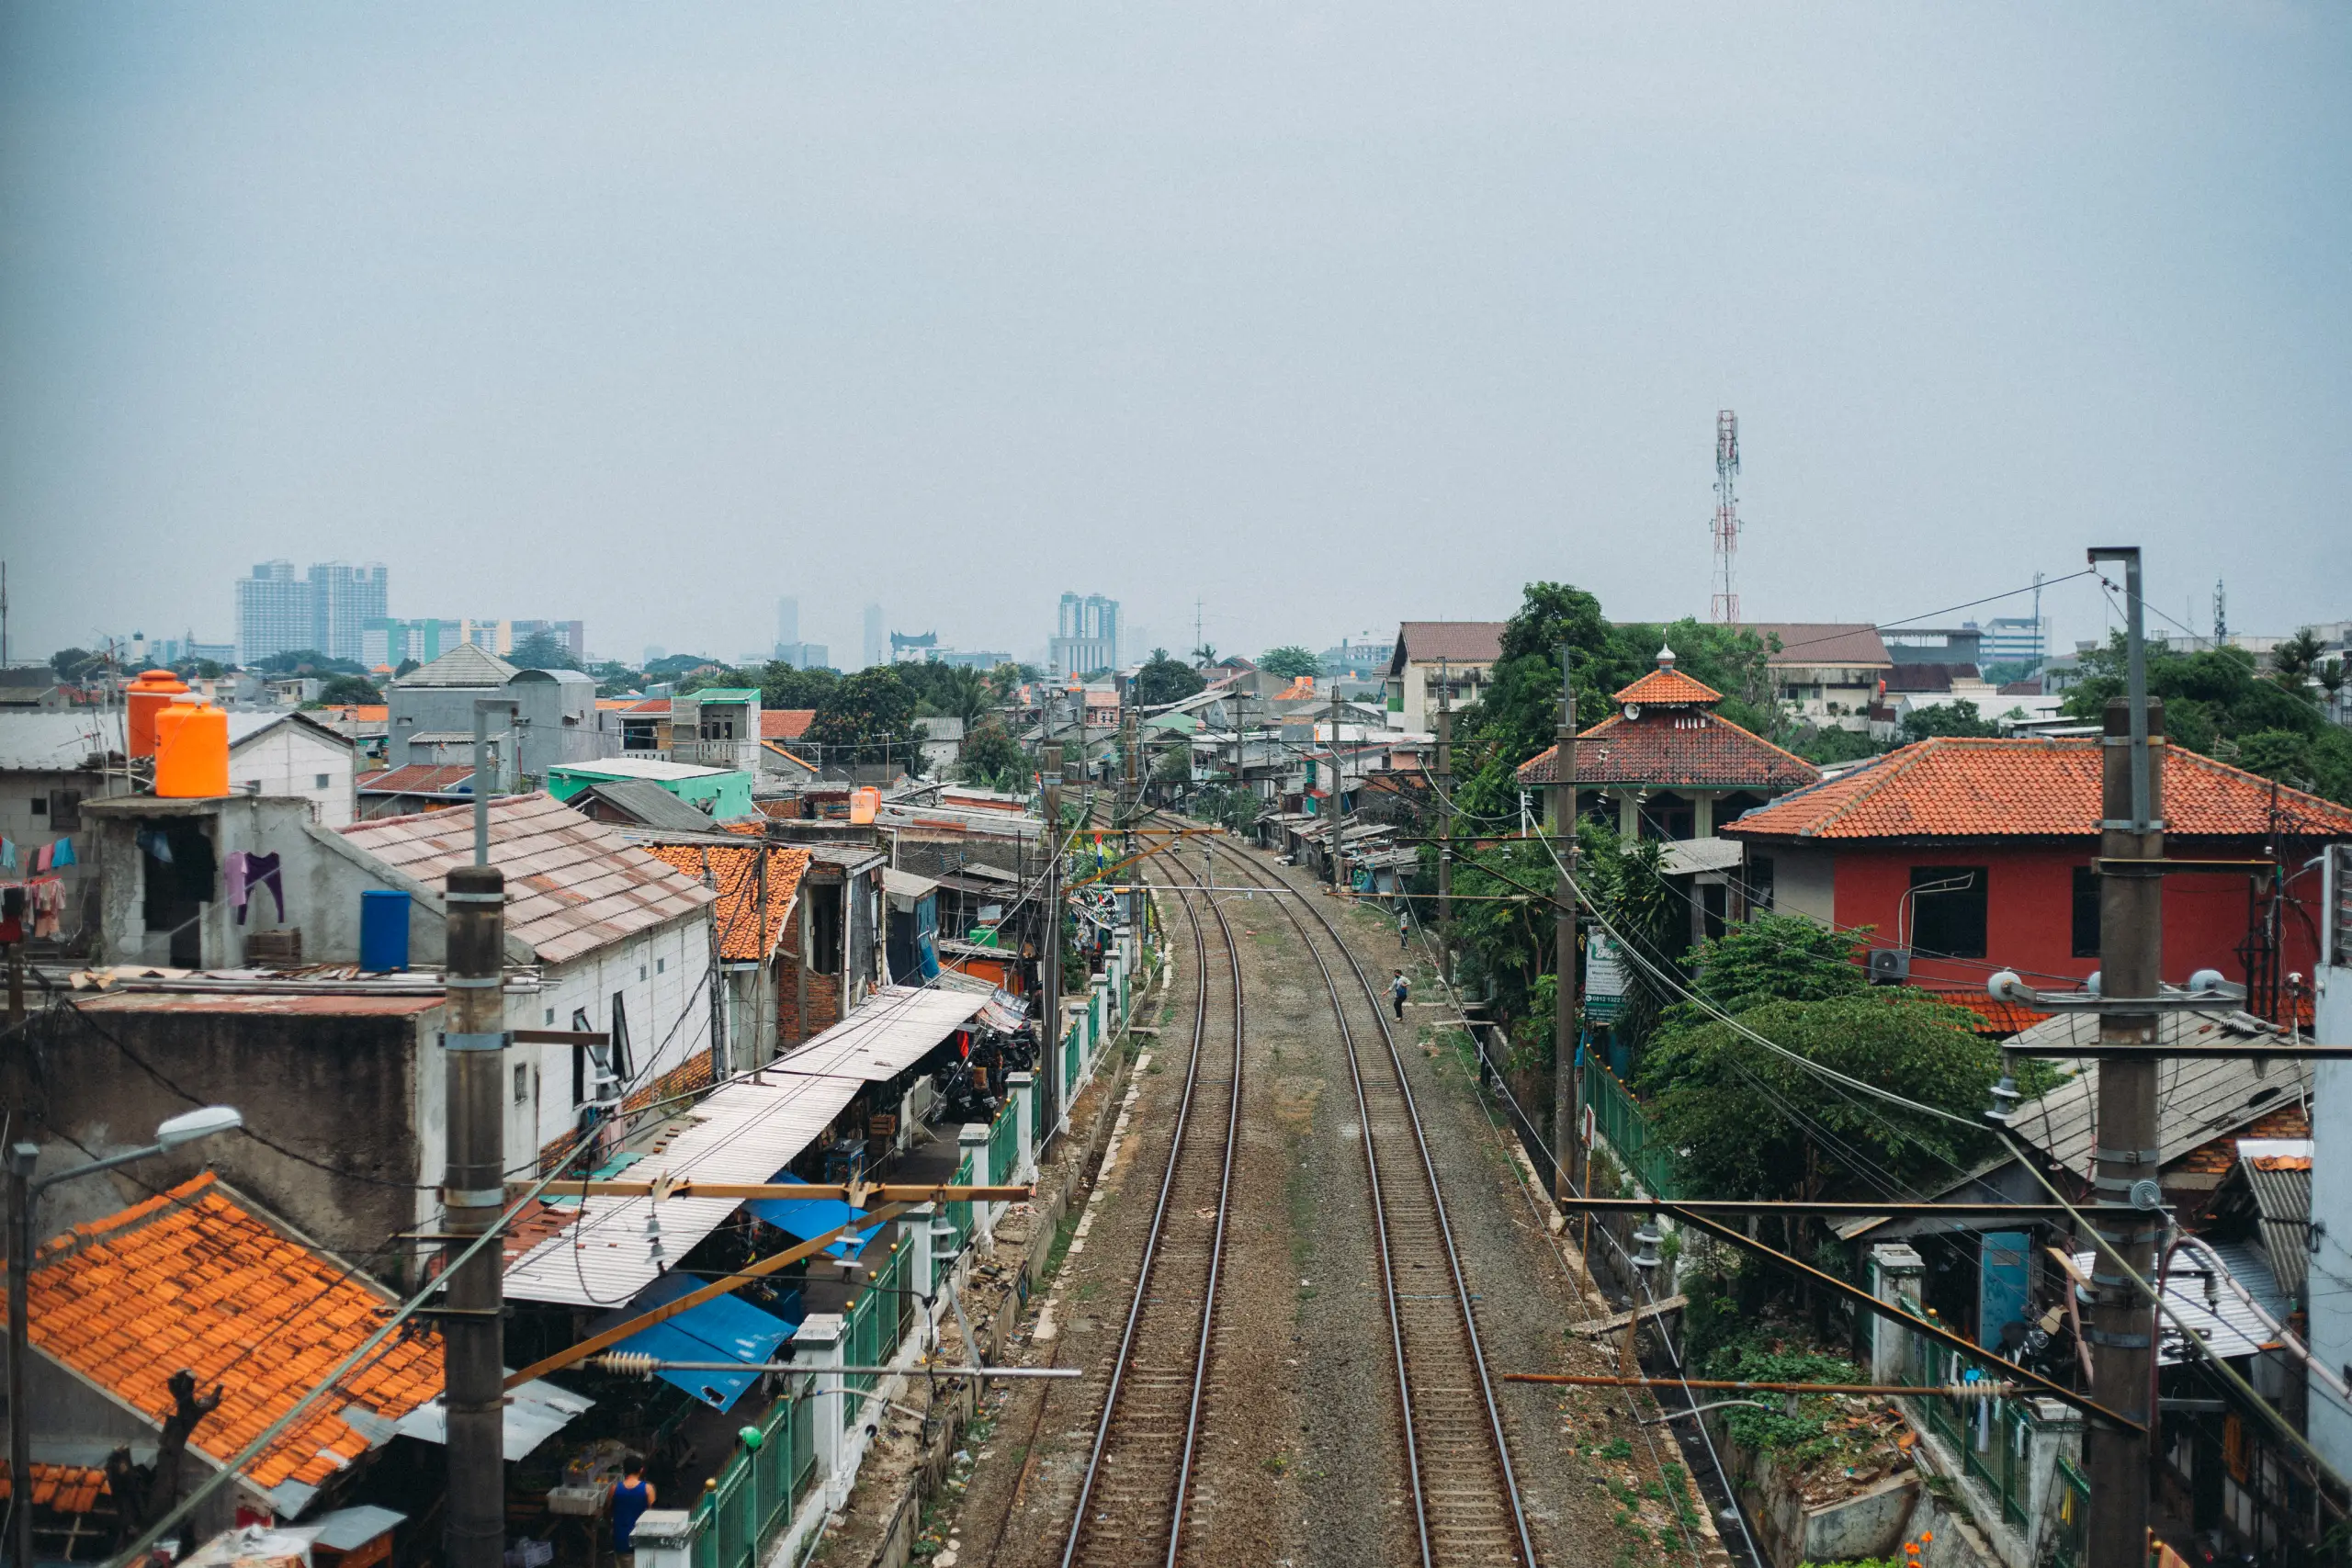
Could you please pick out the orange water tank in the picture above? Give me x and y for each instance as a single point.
(864, 804)
(146, 696)
(191, 752)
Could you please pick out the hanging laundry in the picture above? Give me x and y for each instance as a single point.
(7, 855)
(47, 898)
(40, 859)
(232, 881)
(157, 843)
(12, 914)
(64, 855)
(262, 871)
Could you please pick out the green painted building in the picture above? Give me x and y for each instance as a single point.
(724, 792)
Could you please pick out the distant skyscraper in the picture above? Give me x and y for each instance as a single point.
(343, 599)
(787, 623)
(877, 645)
(2009, 639)
(1085, 635)
(273, 612)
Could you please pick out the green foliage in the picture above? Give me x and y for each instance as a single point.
(676, 664)
(1726, 1102)
(309, 662)
(782, 686)
(1623, 881)
(1946, 718)
(1219, 802)
(1824, 745)
(1002, 680)
(993, 760)
(1290, 660)
(2222, 703)
(349, 689)
(70, 662)
(2008, 670)
(542, 650)
(1802, 1436)
(1163, 679)
(868, 717)
(1773, 958)
(210, 670)
(946, 691)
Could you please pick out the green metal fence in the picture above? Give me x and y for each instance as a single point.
(2070, 1538)
(749, 1502)
(1621, 1120)
(959, 1214)
(1994, 1438)
(1070, 1056)
(1004, 1144)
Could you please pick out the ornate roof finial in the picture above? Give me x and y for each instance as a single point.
(1665, 657)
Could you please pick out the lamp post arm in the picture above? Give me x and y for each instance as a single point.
(96, 1166)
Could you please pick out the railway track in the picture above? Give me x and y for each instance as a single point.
(1466, 1504)
(1133, 1501)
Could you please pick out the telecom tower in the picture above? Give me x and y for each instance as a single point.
(1725, 610)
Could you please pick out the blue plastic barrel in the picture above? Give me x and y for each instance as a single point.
(383, 930)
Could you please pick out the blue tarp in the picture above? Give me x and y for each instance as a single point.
(807, 1217)
(726, 1329)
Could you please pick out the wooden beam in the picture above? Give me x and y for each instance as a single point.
(561, 1037)
(856, 1195)
(1616, 1321)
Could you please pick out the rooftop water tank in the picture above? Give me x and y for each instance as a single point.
(191, 752)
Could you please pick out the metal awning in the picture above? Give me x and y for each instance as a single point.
(725, 1329)
(808, 1217)
(535, 1412)
(741, 1132)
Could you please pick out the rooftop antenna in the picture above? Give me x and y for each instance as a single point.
(2041, 643)
(1725, 609)
(2220, 613)
(3, 614)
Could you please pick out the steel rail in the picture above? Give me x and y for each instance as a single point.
(1080, 1534)
(1515, 1504)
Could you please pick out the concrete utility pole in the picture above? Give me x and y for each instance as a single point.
(472, 1195)
(1049, 948)
(1130, 803)
(2126, 1158)
(1337, 788)
(1446, 823)
(1566, 1071)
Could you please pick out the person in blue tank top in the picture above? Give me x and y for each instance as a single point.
(632, 1495)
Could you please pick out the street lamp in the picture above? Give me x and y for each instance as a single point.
(23, 1191)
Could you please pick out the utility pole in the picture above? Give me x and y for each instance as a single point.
(1446, 823)
(1567, 1071)
(1130, 803)
(1337, 787)
(474, 1190)
(1049, 948)
(2126, 1158)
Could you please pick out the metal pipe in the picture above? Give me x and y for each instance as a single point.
(630, 1363)
(1985, 1390)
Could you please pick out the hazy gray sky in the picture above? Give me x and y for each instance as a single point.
(1327, 315)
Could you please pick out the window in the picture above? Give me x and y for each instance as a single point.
(1947, 910)
(2085, 912)
(322, 782)
(551, 1024)
(620, 1037)
(65, 810)
(41, 806)
(579, 1025)
(825, 930)
(1670, 817)
(1759, 884)
(522, 1083)
(661, 966)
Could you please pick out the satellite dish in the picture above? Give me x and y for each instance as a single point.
(1632, 712)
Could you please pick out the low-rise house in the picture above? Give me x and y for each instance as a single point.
(344, 1069)
(1968, 855)
(723, 795)
(759, 932)
(1664, 764)
(639, 803)
(555, 718)
(718, 727)
(419, 786)
(942, 743)
(1460, 655)
(1826, 673)
(37, 688)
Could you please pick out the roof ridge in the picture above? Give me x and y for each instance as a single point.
(90, 1233)
(1761, 741)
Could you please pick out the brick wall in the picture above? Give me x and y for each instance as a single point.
(824, 992)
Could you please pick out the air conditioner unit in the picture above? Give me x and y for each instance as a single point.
(1890, 966)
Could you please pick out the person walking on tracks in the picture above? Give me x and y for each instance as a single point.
(1398, 989)
(1404, 928)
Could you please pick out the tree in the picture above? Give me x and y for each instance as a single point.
(2296, 658)
(1731, 1108)
(1947, 719)
(1163, 679)
(348, 690)
(948, 690)
(783, 686)
(2220, 701)
(407, 666)
(542, 650)
(869, 717)
(1782, 958)
(1518, 714)
(1290, 661)
(70, 662)
(993, 760)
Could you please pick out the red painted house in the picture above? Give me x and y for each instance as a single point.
(1974, 855)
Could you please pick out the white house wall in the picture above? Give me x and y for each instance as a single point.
(290, 759)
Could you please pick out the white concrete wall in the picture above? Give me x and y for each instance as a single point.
(1803, 882)
(288, 759)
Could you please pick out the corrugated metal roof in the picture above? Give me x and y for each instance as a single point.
(743, 1131)
(270, 1003)
(464, 665)
(2282, 1195)
(2227, 1325)
(647, 804)
(1463, 642)
(1822, 642)
(637, 768)
(573, 886)
(2198, 1101)
(65, 742)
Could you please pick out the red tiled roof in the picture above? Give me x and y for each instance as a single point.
(785, 724)
(573, 886)
(1463, 642)
(67, 1488)
(736, 871)
(1822, 642)
(2261, 1162)
(2039, 787)
(1667, 687)
(653, 706)
(193, 1278)
(418, 778)
(1685, 748)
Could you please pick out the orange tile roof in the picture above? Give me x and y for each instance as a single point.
(67, 1488)
(2039, 787)
(785, 724)
(196, 1279)
(655, 706)
(1300, 686)
(1667, 687)
(1688, 747)
(2261, 1162)
(736, 871)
